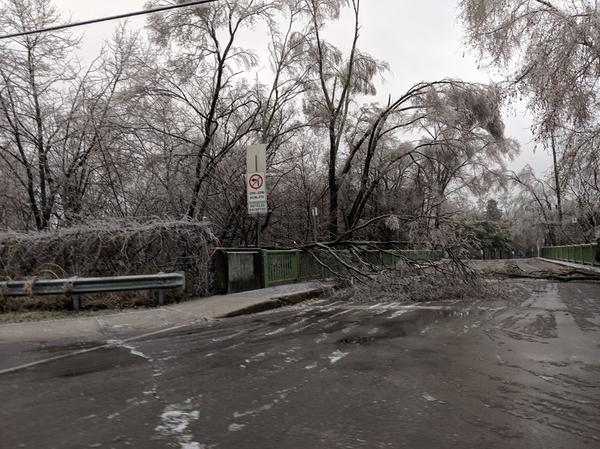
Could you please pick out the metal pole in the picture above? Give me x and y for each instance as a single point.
(314, 212)
(258, 231)
(76, 302)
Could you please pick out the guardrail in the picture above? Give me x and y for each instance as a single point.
(76, 287)
(583, 254)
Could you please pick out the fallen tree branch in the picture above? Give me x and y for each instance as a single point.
(513, 271)
(571, 276)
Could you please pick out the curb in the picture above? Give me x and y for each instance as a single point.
(589, 268)
(282, 301)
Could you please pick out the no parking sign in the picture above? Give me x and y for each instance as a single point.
(257, 193)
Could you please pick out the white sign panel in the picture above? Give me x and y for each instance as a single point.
(256, 159)
(256, 186)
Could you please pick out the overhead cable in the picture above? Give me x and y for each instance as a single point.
(106, 19)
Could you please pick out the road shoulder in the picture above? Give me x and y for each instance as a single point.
(128, 324)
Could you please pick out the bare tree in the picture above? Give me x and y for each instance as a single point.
(340, 80)
(456, 131)
(554, 49)
(202, 78)
(34, 70)
(549, 51)
(52, 113)
(464, 148)
(536, 196)
(581, 177)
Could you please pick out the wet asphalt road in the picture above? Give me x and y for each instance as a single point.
(523, 373)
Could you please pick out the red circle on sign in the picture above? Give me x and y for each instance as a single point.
(256, 182)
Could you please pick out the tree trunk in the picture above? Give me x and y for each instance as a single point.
(333, 204)
(557, 181)
(333, 185)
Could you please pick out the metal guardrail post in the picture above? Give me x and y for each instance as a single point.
(76, 302)
(161, 295)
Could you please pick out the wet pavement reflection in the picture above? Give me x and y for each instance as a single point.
(517, 373)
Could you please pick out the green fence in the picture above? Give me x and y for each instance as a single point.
(310, 268)
(390, 259)
(421, 255)
(583, 254)
(281, 267)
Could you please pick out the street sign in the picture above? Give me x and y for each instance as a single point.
(256, 181)
(257, 193)
(256, 159)
(256, 185)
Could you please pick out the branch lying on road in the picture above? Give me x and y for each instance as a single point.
(570, 276)
(512, 271)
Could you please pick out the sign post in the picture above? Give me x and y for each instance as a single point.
(314, 212)
(256, 184)
(256, 159)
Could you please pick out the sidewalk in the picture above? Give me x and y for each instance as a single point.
(572, 265)
(131, 324)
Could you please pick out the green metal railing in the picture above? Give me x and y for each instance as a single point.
(281, 267)
(310, 268)
(390, 259)
(583, 254)
(422, 255)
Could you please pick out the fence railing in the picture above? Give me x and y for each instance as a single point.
(583, 254)
(280, 267)
(76, 287)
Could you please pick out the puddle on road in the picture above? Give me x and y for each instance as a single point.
(418, 323)
(68, 347)
(346, 323)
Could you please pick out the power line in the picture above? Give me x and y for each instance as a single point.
(106, 19)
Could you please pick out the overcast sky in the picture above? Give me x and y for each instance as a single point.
(420, 39)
